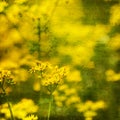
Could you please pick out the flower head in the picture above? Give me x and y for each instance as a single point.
(3, 4)
(39, 66)
(50, 75)
(5, 78)
(31, 117)
(6, 81)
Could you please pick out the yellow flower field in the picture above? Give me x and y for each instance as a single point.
(59, 60)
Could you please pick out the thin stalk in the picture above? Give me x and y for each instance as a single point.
(39, 36)
(9, 107)
(39, 30)
(50, 104)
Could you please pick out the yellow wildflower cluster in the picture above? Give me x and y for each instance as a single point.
(78, 44)
(21, 109)
(50, 75)
(89, 108)
(55, 76)
(112, 76)
(74, 76)
(31, 117)
(32, 30)
(114, 42)
(66, 96)
(40, 66)
(4, 74)
(6, 80)
(20, 1)
(3, 4)
(115, 15)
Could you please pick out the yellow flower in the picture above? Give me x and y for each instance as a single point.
(98, 105)
(5, 73)
(21, 109)
(13, 13)
(12, 37)
(90, 114)
(116, 77)
(110, 72)
(20, 1)
(84, 106)
(92, 106)
(34, 11)
(115, 14)
(50, 74)
(40, 66)
(74, 76)
(70, 91)
(36, 86)
(88, 118)
(73, 100)
(4, 26)
(3, 4)
(50, 80)
(112, 76)
(59, 103)
(114, 42)
(31, 117)
(63, 87)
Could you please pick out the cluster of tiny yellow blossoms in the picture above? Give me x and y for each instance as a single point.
(50, 75)
(4, 74)
(21, 109)
(66, 96)
(112, 76)
(31, 117)
(3, 5)
(90, 108)
(54, 76)
(39, 66)
(5, 79)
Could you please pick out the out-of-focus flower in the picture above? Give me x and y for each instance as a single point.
(3, 4)
(98, 105)
(112, 76)
(72, 100)
(66, 96)
(89, 105)
(89, 108)
(114, 42)
(21, 109)
(115, 14)
(12, 37)
(32, 11)
(88, 118)
(31, 117)
(74, 76)
(89, 114)
(13, 13)
(20, 1)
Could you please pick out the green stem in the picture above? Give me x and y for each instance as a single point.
(39, 36)
(50, 104)
(9, 107)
